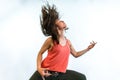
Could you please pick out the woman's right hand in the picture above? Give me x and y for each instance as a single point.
(44, 72)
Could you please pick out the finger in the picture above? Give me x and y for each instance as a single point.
(94, 42)
(47, 74)
(91, 43)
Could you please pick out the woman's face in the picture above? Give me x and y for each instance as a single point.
(60, 24)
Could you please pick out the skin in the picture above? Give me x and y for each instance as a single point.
(61, 26)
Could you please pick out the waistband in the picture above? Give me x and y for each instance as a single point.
(55, 73)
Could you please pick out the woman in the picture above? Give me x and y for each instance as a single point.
(54, 66)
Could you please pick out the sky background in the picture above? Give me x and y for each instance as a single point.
(21, 37)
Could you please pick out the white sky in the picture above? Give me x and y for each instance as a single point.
(21, 37)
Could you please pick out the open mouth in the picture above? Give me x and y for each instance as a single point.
(66, 28)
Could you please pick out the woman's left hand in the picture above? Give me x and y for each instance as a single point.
(92, 44)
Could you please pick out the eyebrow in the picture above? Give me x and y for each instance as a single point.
(59, 21)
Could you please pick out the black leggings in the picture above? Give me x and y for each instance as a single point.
(69, 75)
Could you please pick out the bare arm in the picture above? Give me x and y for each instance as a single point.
(79, 53)
(44, 47)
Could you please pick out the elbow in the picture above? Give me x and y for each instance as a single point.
(76, 56)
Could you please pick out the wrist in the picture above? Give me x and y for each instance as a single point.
(87, 49)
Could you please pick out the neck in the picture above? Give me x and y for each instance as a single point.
(62, 40)
(61, 35)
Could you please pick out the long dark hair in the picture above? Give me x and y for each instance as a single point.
(47, 21)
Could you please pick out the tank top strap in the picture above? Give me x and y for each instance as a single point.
(67, 41)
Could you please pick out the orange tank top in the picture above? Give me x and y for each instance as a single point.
(57, 58)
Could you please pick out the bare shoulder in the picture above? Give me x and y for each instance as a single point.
(69, 42)
(49, 42)
(49, 39)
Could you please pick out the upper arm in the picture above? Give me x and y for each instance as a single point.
(72, 50)
(46, 45)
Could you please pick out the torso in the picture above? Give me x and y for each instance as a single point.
(57, 58)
